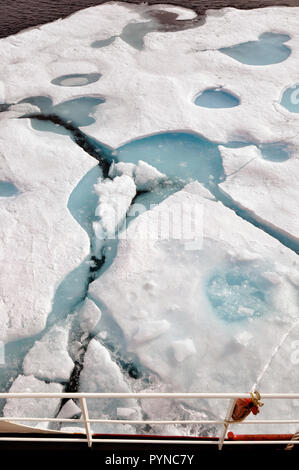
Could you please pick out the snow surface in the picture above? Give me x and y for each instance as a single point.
(202, 312)
(43, 242)
(208, 352)
(49, 359)
(268, 189)
(89, 316)
(115, 197)
(153, 90)
(32, 408)
(101, 374)
(145, 176)
(69, 410)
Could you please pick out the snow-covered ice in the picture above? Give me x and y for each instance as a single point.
(29, 407)
(43, 242)
(49, 359)
(145, 176)
(209, 352)
(201, 309)
(267, 189)
(89, 316)
(101, 374)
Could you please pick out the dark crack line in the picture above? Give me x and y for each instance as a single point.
(80, 139)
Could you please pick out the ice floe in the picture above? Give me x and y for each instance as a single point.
(48, 359)
(153, 90)
(44, 243)
(32, 408)
(197, 310)
(215, 354)
(101, 374)
(267, 189)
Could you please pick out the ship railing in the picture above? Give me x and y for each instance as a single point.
(90, 439)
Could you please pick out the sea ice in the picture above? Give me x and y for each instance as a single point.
(267, 189)
(146, 177)
(69, 410)
(187, 313)
(89, 316)
(222, 358)
(49, 359)
(154, 90)
(115, 197)
(43, 242)
(101, 374)
(183, 348)
(32, 407)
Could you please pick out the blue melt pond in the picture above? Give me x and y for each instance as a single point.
(277, 152)
(238, 292)
(216, 98)
(290, 99)
(181, 156)
(76, 79)
(7, 189)
(269, 49)
(77, 111)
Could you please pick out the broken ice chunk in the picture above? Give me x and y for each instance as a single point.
(247, 312)
(243, 338)
(69, 410)
(126, 412)
(121, 168)
(101, 374)
(147, 177)
(29, 407)
(183, 349)
(49, 358)
(89, 315)
(115, 198)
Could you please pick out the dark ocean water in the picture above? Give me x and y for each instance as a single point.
(16, 15)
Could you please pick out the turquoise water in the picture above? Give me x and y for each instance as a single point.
(269, 49)
(77, 112)
(276, 152)
(70, 292)
(133, 34)
(103, 42)
(181, 156)
(238, 292)
(84, 200)
(76, 79)
(290, 99)
(8, 189)
(216, 98)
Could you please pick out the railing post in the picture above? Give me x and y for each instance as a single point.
(84, 409)
(227, 420)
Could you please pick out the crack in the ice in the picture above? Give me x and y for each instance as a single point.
(80, 138)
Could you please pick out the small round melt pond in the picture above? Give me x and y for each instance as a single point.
(7, 189)
(238, 292)
(76, 79)
(290, 99)
(216, 98)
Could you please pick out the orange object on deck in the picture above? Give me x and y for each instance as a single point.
(245, 406)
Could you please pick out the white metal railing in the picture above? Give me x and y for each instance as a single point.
(82, 397)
